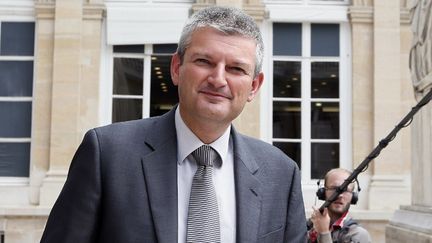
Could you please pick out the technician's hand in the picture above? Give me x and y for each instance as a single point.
(321, 222)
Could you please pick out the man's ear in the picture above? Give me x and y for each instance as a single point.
(256, 85)
(175, 68)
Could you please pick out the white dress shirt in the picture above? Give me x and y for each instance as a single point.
(223, 178)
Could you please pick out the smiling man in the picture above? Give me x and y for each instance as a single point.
(334, 225)
(187, 176)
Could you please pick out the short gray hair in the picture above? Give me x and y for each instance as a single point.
(231, 21)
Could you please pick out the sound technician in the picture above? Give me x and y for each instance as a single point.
(333, 224)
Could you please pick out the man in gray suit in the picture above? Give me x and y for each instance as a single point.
(131, 181)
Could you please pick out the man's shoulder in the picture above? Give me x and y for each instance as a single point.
(257, 145)
(358, 232)
(125, 125)
(150, 124)
(349, 222)
(123, 128)
(134, 129)
(262, 150)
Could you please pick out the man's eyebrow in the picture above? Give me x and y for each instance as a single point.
(242, 64)
(200, 54)
(248, 67)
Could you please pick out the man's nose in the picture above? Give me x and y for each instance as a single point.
(217, 78)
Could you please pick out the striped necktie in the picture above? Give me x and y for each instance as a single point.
(203, 216)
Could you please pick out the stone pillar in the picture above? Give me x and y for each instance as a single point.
(389, 186)
(75, 86)
(361, 18)
(413, 223)
(64, 100)
(42, 94)
(19, 229)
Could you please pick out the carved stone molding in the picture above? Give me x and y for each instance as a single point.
(364, 14)
(84, 1)
(362, 3)
(20, 9)
(45, 1)
(200, 5)
(93, 11)
(360, 14)
(45, 9)
(405, 16)
(256, 10)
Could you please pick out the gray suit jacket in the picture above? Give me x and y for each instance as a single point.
(122, 187)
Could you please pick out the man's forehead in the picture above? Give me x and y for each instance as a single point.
(337, 177)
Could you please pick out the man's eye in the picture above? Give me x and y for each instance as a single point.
(202, 61)
(238, 70)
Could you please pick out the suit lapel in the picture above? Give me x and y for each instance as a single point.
(248, 191)
(160, 172)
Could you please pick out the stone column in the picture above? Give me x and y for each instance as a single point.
(42, 95)
(413, 223)
(75, 86)
(65, 95)
(389, 186)
(361, 18)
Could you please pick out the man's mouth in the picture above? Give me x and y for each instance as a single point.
(338, 203)
(215, 94)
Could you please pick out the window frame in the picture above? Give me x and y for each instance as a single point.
(19, 12)
(344, 100)
(108, 88)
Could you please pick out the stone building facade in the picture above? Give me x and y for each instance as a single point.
(337, 80)
(413, 223)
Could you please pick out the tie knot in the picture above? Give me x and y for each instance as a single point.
(205, 155)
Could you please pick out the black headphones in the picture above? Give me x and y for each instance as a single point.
(322, 196)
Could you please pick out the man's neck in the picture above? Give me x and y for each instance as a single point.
(337, 218)
(206, 131)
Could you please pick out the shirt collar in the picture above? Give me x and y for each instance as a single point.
(340, 222)
(187, 141)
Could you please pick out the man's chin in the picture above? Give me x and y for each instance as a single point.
(339, 209)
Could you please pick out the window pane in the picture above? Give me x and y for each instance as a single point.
(128, 76)
(286, 79)
(325, 40)
(126, 109)
(17, 38)
(287, 39)
(293, 150)
(286, 119)
(325, 120)
(14, 159)
(325, 80)
(164, 48)
(325, 156)
(129, 48)
(163, 93)
(16, 78)
(15, 119)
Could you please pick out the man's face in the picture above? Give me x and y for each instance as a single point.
(343, 202)
(215, 78)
